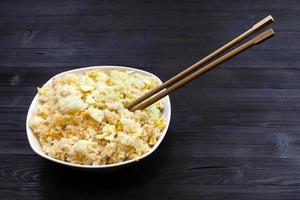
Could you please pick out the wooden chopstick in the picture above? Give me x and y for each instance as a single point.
(256, 27)
(256, 40)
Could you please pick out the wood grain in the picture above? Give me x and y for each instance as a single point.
(235, 137)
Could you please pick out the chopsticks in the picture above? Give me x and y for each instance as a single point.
(179, 80)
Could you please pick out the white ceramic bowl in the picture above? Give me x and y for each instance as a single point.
(35, 145)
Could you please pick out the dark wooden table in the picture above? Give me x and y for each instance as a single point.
(234, 133)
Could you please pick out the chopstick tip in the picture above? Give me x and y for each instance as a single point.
(263, 23)
(270, 18)
(263, 36)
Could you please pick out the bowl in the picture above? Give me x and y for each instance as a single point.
(36, 147)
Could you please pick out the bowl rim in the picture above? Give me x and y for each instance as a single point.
(30, 133)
